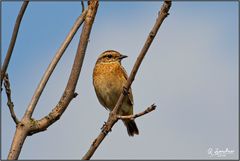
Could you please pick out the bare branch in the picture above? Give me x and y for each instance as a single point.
(69, 93)
(132, 117)
(112, 119)
(53, 64)
(9, 102)
(29, 126)
(13, 39)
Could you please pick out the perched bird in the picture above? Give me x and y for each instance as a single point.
(109, 78)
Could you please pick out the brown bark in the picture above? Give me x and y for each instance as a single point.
(19, 137)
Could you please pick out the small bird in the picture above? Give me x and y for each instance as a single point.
(109, 78)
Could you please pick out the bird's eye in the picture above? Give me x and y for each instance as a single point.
(109, 56)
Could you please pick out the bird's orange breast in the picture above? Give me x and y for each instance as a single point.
(108, 81)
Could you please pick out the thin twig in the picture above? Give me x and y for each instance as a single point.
(112, 119)
(69, 92)
(82, 3)
(13, 39)
(132, 117)
(9, 102)
(53, 64)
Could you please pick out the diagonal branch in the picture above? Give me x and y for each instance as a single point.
(69, 92)
(132, 117)
(53, 64)
(161, 16)
(112, 119)
(10, 103)
(13, 39)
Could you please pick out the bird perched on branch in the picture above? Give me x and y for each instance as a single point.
(109, 79)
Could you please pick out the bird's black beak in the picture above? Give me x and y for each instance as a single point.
(122, 57)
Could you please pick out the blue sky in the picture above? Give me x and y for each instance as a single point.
(190, 73)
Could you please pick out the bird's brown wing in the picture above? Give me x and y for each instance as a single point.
(130, 96)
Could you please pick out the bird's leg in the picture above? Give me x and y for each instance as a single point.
(125, 91)
(105, 128)
(104, 124)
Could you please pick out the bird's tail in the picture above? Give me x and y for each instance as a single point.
(131, 127)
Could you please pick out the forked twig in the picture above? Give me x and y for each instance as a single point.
(53, 64)
(69, 92)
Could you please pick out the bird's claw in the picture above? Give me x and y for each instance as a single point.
(104, 124)
(125, 91)
(105, 128)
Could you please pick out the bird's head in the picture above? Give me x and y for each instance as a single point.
(110, 56)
